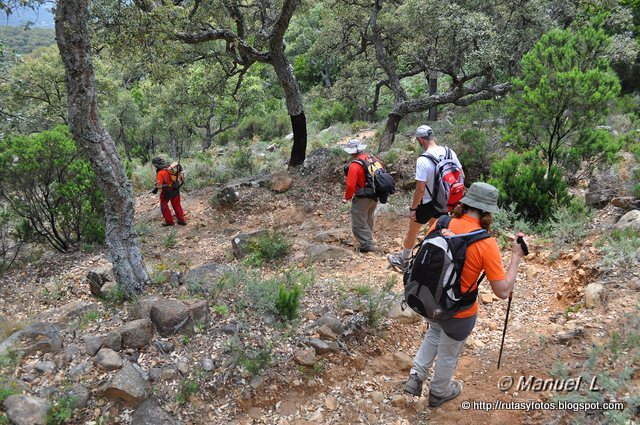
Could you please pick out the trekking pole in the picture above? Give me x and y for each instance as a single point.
(525, 249)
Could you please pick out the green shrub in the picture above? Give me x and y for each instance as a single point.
(620, 248)
(241, 162)
(267, 248)
(266, 127)
(61, 412)
(568, 225)
(474, 154)
(53, 186)
(87, 318)
(523, 180)
(288, 302)
(169, 241)
(508, 221)
(359, 125)
(188, 387)
(255, 360)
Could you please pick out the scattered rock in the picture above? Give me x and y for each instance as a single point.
(229, 329)
(332, 235)
(592, 294)
(183, 367)
(377, 397)
(26, 410)
(486, 298)
(227, 196)
(257, 383)
(566, 336)
(168, 373)
(323, 252)
(165, 346)
(113, 340)
(207, 364)
(255, 413)
(92, 344)
(240, 242)
(45, 367)
(150, 413)
(403, 360)
(69, 353)
(170, 317)
(79, 396)
(406, 316)
(78, 371)
(624, 202)
(322, 347)
(109, 359)
(280, 182)
(478, 344)
(128, 386)
(630, 220)
(136, 334)
(331, 403)
(98, 277)
(397, 401)
(635, 284)
(306, 357)
(325, 332)
(330, 320)
(492, 326)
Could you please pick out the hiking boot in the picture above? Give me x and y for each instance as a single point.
(413, 385)
(182, 223)
(165, 224)
(454, 391)
(364, 249)
(397, 260)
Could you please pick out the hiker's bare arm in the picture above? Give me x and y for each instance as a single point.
(418, 194)
(502, 288)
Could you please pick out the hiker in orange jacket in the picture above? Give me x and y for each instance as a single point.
(363, 205)
(167, 192)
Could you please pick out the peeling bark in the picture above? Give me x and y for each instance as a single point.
(73, 41)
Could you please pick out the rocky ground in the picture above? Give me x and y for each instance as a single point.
(198, 347)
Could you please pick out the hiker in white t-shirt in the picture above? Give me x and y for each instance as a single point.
(422, 210)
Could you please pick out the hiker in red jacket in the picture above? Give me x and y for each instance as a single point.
(169, 191)
(363, 201)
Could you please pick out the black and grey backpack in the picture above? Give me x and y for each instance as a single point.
(432, 280)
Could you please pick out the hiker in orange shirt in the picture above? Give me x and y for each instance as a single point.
(169, 190)
(445, 339)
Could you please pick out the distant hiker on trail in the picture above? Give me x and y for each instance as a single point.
(445, 338)
(439, 186)
(358, 191)
(169, 178)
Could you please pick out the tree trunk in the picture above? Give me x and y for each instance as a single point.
(125, 142)
(293, 97)
(173, 143)
(433, 89)
(208, 137)
(73, 41)
(390, 130)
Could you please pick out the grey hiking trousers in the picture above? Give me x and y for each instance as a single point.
(362, 210)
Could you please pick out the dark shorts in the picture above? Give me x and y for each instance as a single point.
(426, 212)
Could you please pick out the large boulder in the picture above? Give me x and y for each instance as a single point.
(602, 189)
(198, 311)
(323, 252)
(136, 334)
(205, 276)
(227, 196)
(142, 308)
(592, 294)
(75, 310)
(406, 316)
(98, 277)
(26, 410)
(630, 220)
(150, 413)
(170, 317)
(128, 385)
(332, 235)
(109, 359)
(41, 336)
(240, 242)
(280, 182)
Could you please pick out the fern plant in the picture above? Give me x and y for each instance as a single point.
(288, 302)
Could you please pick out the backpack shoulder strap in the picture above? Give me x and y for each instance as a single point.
(431, 157)
(443, 222)
(447, 153)
(475, 236)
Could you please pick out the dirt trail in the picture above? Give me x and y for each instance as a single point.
(372, 366)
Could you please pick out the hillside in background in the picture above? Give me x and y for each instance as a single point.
(23, 41)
